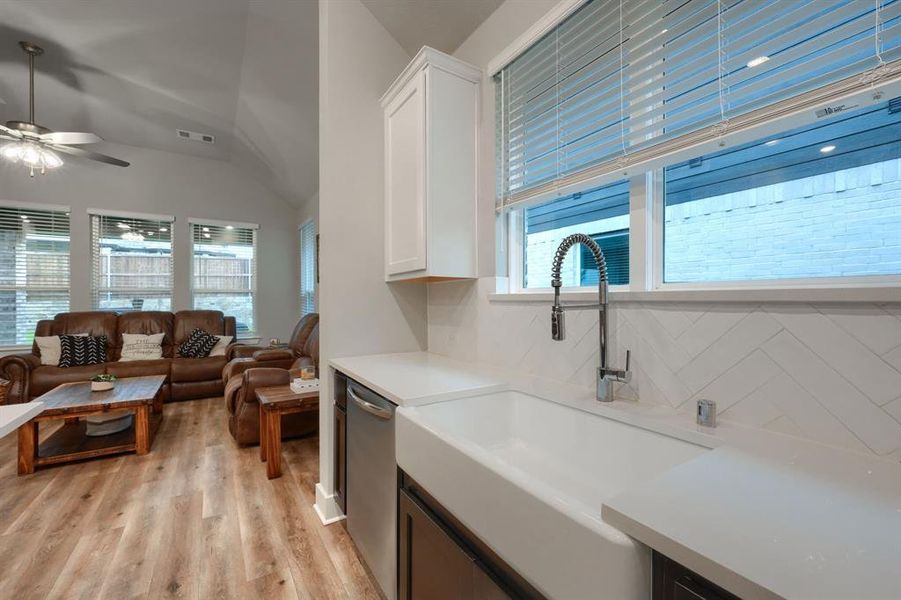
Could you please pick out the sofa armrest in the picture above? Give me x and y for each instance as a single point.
(17, 369)
(259, 378)
(272, 354)
(239, 350)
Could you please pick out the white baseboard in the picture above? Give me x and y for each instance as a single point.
(326, 506)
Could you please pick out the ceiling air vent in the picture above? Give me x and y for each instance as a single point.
(195, 136)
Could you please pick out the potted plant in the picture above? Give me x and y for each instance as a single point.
(102, 383)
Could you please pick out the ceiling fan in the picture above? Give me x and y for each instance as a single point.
(33, 146)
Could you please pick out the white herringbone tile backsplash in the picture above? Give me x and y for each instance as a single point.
(831, 373)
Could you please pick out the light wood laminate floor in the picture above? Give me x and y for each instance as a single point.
(195, 518)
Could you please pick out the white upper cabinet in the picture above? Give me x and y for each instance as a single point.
(431, 162)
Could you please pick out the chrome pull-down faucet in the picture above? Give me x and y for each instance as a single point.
(606, 374)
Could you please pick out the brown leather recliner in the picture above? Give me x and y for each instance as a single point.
(185, 377)
(242, 357)
(240, 389)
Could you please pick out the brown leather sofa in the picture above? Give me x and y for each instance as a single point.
(186, 377)
(254, 367)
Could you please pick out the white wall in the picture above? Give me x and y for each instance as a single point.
(180, 185)
(360, 313)
(830, 373)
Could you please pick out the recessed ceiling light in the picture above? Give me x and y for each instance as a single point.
(756, 62)
(229, 226)
(772, 142)
(827, 149)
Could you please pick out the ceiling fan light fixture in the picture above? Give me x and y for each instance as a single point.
(32, 155)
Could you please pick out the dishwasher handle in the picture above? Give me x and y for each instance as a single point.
(373, 409)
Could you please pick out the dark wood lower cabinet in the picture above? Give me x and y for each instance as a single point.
(433, 565)
(672, 581)
(439, 559)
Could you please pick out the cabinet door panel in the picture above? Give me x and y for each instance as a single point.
(432, 565)
(405, 201)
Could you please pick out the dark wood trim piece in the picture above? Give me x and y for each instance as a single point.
(672, 581)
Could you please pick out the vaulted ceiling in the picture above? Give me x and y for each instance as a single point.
(244, 71)
(134, 71)
(441, 24)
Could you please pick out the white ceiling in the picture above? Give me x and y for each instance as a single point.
(441, 24)
(134, 71)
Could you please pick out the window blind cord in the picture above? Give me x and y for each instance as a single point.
(877, 38)
(622, 92)
(560, 150)
(722, 127)
(872, 76)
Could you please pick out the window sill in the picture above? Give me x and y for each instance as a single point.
(881, 294)
(7, 350)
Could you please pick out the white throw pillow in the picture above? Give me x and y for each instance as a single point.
(136, 346)
(49, 347)
(219, 348)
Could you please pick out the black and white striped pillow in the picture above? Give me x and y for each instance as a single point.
(198, 344)
(80, 350)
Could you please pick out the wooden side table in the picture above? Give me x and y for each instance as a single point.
(275, 402)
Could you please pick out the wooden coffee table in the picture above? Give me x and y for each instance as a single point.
(70, 401)
(275, 402)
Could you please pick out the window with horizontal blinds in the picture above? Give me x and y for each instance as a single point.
(308, 268)
(224, 271)
(620, 85)
(131, 263)
(34, 270)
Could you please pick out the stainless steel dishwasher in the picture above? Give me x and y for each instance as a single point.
(372, 483)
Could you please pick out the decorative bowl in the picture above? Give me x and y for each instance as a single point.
(102, 386)
(102, 383)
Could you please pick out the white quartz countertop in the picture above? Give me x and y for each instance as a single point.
(763, 515)
(14, 415)
(812, 522)
(415, 378)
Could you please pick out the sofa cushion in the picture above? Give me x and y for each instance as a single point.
(45, 377)
(144, 323)
(137, 346)
(50, 348)
(139, 368)
(197, 369)
(198, 345)
(77, 350)
(93, 323)
(186, 321)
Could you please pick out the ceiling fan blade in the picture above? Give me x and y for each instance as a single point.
(70, 138)
(12, 132)
(92, 155)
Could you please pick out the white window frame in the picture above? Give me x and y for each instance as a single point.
(192, 221)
